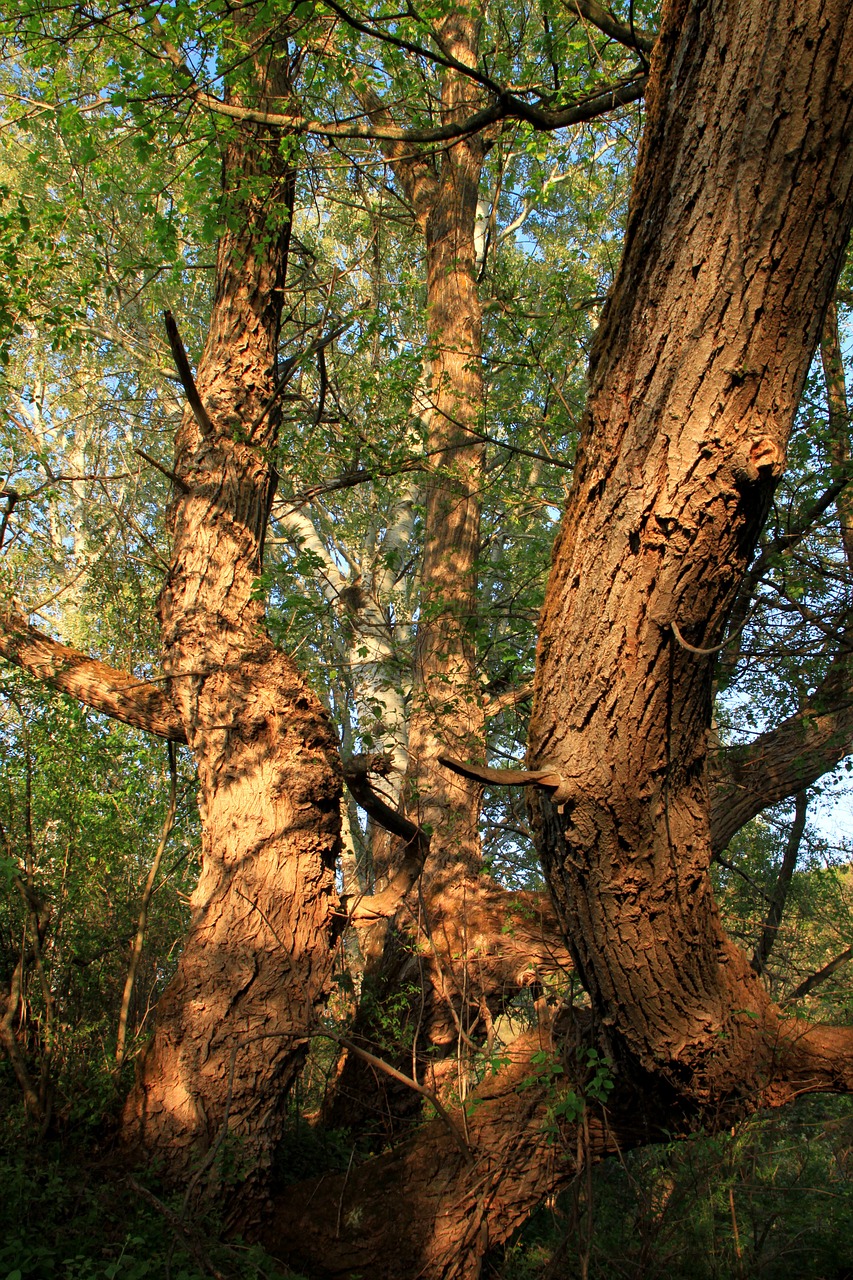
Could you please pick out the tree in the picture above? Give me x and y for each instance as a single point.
(685, 441)
(741, 209)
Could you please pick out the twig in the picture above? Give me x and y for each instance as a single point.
(170, 475)
(185, 374)
(180, 1230)
(343, 1189)
(142, 923)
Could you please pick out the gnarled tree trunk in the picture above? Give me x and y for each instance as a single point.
(742, 205)
(231, 1026)
(741, 209)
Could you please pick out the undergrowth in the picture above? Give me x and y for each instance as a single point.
(69, 1212)
(771, 1200)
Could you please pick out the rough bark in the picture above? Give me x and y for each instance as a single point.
(741, 208)
(230, 1031)
(839, 424)
(446, 712)
(447, 706)
(434, 1206)
(117, 694)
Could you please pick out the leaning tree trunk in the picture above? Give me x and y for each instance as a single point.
(231, 1026)
(742, 206)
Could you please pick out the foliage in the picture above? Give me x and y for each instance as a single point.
(68, 1217)
(721, 1208)
(77, 841)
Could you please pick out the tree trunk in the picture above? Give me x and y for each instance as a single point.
(447, 707)
(796, 753)
(421, 950)
(432, 1208)
(742, 205)
(231, 1026)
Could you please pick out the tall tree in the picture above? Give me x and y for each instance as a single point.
(741, 210)
(264, 747)
(695, 375)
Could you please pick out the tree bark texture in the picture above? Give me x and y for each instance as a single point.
(447, 707)
(839, 423)
(432, 1207)
(796, 753)
(255, 969)
(115, 693)
(446, 712)
(741, 208)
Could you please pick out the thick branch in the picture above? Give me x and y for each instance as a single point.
(415, 848)
(114, 693)
(784, 760)
(630, 36)
(430, 1211)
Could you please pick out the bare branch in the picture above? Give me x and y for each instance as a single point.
(547, 778)
(815, 979)
(115, 693)
(347, 480)
(185, 374)
(770, 932)
(142, 922)
(170, 475)
(630, 36)
(506, 106)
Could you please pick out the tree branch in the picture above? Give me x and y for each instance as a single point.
(415, 850)
(505, 107)
(170, 475)
(770, 932)
(185, 374)
(631, 37)
(744, 780)
(115, 693)
(815, 979)
(547, 778)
